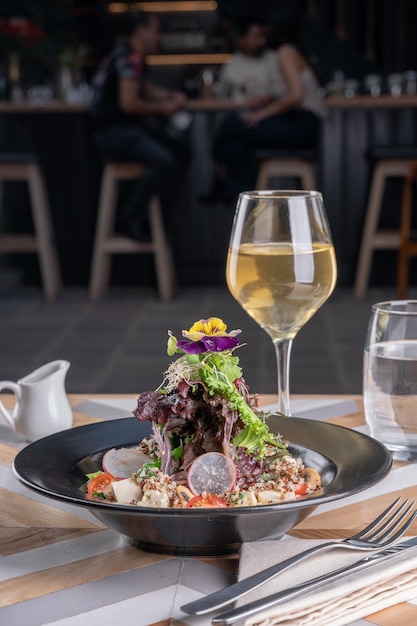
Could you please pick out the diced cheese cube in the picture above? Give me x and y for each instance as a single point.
(126, 490)
(269, 496)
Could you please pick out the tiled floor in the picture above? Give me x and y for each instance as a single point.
(118, 344)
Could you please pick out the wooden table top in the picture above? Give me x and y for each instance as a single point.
(60, 565)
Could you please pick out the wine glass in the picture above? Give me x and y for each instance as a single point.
(281, 266)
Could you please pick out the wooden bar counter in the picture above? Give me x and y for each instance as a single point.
(218, 104)
(59, 132)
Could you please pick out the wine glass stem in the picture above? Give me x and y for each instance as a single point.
(283, 352)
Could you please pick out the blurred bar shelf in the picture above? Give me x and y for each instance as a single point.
(189, 6)
(371, 102)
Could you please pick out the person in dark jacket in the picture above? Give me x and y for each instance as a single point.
(133, 119)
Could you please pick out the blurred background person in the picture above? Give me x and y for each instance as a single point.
(250, 74)
(248, 77)
(281, 109)
(133, 119)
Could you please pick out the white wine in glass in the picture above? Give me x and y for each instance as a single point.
(281, 266)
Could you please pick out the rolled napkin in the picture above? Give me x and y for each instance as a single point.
(356, 595)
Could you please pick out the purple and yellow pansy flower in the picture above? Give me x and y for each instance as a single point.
(206, 335)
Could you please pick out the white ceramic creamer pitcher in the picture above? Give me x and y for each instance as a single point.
(42, 406)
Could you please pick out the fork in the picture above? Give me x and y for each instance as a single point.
(382, 532)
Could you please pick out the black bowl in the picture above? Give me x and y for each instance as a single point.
(55, 466)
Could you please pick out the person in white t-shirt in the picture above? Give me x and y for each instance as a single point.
(281, 108)
(250, 75)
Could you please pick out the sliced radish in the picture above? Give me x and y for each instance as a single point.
(212, 472)
(122, 462)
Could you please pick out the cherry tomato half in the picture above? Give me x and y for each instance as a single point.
(205, 502)
(99, 483)
(300, 490)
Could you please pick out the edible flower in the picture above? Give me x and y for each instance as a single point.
(208, 335)
(207, 357)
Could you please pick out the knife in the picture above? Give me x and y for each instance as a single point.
(227, 595)
(230, 617)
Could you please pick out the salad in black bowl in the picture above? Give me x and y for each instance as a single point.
(210, 445)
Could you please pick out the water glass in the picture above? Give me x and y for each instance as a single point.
(390, 377)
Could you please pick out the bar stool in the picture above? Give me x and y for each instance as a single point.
(108, 243)
(391, 161)
(408, 243)
(286, 163)
(25, 167)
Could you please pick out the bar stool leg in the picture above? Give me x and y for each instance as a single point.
(264, 176)
(164, 264)
(100, 273)
(402, 275)
(44, 234)
(371, 223)
(271, 168)
(307, 177)
(408, 247)
(1, 201)
(373, 238)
